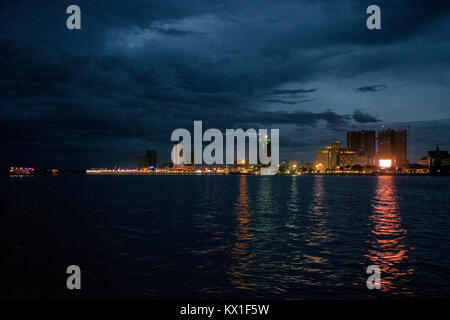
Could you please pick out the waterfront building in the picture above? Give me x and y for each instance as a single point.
(348, 158)
(363, 142)
(328, 158)
(392, 145)
(439, 161)
(323, 159)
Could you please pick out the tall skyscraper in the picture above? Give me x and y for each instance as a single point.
(392, 145)
(363, 142)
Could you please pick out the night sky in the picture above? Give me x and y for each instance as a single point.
(137, 70)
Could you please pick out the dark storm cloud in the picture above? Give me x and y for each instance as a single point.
(176, 32)
(362, 117)
(288, 142)
(300, 118)
(288, 102)
(373, 88)
(139, 69)
(293, 91)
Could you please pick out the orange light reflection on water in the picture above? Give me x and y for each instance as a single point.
(240, 273)
(388, 239)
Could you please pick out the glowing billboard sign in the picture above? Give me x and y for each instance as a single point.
(385, 163)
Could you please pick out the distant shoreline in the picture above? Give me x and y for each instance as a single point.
(219, 174)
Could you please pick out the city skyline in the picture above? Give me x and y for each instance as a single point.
(366, 148)
(362, 142)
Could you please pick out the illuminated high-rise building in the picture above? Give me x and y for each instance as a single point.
(328, 158)
(392, 145)
(323, 159)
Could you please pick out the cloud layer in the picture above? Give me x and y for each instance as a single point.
(138, 70)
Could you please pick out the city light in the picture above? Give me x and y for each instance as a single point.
(385, 163)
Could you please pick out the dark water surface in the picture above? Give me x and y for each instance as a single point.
(279, 237)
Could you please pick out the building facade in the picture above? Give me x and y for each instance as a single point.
(392, 145)
(348, 158)
(323, 159)
(438, 161)
(364, 143)
(328, 158)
